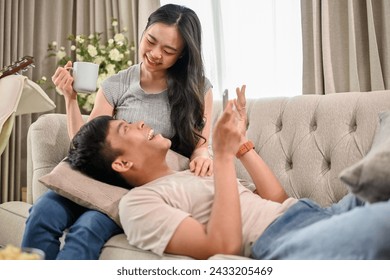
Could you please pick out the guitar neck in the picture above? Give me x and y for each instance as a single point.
(22, 65)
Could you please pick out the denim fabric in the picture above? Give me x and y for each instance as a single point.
(88, 230)
(348, 229)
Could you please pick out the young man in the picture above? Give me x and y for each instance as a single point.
(178, 213)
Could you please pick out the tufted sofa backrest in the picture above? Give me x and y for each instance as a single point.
(308, 139)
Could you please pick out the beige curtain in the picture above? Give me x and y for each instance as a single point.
(26, 28)
(346, 45)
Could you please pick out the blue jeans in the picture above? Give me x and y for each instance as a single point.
(88, 230)
(348, 229)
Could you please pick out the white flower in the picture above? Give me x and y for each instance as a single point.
(44, 78)
(78, 38)
(91, 98)
(79, 57)
(92, 50)
(114, 23)
(87, 106)
(111, 41)
(54, 43)
(98, 60)
(129, 63)
(119, 37)
(91, 36)
(115, 55)
(72, 47)
(110, 68)
(61, 54)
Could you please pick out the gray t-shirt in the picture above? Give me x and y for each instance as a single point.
(123, 91)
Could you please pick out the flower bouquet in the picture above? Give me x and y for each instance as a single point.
(113, 55)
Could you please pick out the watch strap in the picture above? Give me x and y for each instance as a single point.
(244, 148)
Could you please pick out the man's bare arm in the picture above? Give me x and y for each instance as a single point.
(267, 185)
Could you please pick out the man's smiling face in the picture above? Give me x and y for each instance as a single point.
(137, 141)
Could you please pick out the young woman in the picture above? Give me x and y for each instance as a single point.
(168, 90)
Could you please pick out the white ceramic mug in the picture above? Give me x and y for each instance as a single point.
(85, 75)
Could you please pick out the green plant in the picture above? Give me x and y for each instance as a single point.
(113, 55)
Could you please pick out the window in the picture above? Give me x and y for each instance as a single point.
(258, 43)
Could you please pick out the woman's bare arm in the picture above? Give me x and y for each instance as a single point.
(63, 81)
(200, 162)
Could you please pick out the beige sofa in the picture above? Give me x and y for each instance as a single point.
(307, 140)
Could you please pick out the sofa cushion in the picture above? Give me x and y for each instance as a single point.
(13, 215)
(84, 190)
(94, 194)
(369, 178)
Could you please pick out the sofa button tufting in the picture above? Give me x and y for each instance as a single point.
(313, 125)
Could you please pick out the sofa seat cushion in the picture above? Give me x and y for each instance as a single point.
(118, 248)
(13, 217)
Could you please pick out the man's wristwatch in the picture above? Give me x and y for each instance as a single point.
(246, 147)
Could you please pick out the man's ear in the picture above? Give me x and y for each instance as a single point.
(120, 165)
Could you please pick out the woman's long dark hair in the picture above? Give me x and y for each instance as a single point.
(185, 78)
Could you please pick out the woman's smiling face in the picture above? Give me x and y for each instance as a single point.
(161, 46)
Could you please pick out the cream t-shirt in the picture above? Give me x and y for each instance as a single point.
(151, 213)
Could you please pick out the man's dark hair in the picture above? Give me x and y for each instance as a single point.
(91, 154)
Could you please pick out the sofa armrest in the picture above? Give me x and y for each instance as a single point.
(13, 215)
(47, 144)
